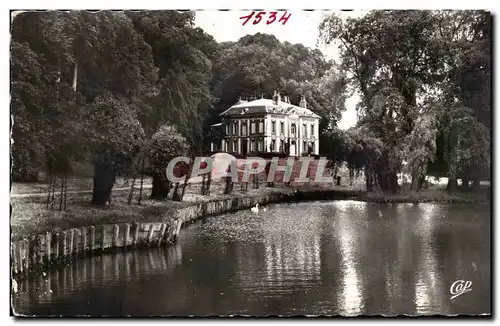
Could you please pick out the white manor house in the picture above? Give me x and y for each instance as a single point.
(271, 126)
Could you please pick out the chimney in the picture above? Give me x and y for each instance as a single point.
(303, 103)
(276, 98)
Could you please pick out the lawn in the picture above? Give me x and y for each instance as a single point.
(29, 215)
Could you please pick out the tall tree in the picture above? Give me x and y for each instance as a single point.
(183, 56)
(166, 144)
(257, 65)
(84, 62)
(396, 59)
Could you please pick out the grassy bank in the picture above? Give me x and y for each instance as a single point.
(426, 196)
(29, 215)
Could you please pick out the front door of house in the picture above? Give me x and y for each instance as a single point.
(244, 147)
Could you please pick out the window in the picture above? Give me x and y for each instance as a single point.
(252, 127)
(235, 146)
(273, 146)
(304, 131)
(252, 145)
(261, 126)
(312, 130)
(244, 129)
(293, 129)
(235, 128)
(227, 129)
(261, 145)
(312, 147)
(273, 127)
(282, 127)
(305, 149)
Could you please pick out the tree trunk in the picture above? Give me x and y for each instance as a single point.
(414, 181)
(421, 182)
(388, 182)
(369, 180)
(176, 196)
(104, 179)
(465, 183)
(25, 175)
(452, 184)
(475, 184)
(142, 181)
(161, 186)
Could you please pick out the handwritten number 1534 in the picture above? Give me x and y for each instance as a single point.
(271, 17)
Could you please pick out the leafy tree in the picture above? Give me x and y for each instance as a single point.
(466, 95)
(166, 144)
(82, 62)
(257, 65)
(397, 58)
(115, 135)
(183, 55)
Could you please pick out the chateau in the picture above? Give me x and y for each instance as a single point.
(268, 125)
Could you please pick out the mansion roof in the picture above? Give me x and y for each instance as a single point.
(267, 106)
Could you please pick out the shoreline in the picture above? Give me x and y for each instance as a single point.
(35, 253)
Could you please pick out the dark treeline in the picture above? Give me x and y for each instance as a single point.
(118, 89)
(424, 79)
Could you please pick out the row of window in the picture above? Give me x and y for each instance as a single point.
(307, 147)
(293, 129)
(253, 146)
(258, 145)
(257, 127)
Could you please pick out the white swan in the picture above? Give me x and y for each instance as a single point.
(255, 209)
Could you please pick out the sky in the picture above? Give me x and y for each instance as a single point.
(301, 27)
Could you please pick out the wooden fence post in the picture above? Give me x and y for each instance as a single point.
(116, 231)
(27, 255)
(48, 245)
(92, 238)
(150, 233)
(14, 257)
(65, 243)
(136, 233)
(56, 245)
(20, 253)
(126, 239)
(41, 253)
(103, 237)
(162, 233)
(83, 234)
(71, 241)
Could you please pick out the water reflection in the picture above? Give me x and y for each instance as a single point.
(329, 258)
(58, 284)
(350, 296)
(429, 287)
(300, 262)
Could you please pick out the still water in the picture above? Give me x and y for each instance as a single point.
(320, 258)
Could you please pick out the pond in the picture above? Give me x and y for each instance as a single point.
(317, 258)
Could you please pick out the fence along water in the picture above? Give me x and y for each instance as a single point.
(38, 253)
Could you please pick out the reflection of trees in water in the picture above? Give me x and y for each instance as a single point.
(292, 258)
(430, 292)
(398, 258)
(350, 296)
(99, 271)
